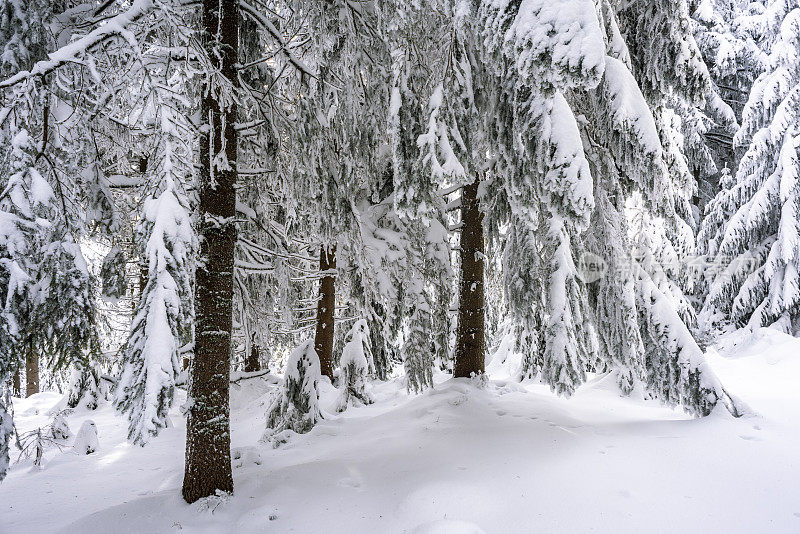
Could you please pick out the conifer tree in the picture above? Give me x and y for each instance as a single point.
(208, 465)
(757, 244)
(296, 405)
(164, 312)
(355, 364)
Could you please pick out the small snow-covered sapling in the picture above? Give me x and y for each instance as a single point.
(86, 441)
(59, 429)
(356, 364)
(295, 405)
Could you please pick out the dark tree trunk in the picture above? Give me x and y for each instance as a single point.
(31, 369)
(143, 276)
(208, 441)
(15, 384)
(323, 340)
(470, 344)
(251, 363)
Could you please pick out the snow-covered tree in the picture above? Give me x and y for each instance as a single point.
(757, 244)
(418, 43)
(161, 321)
(84, 386)
(295, 406)
(668, 66)
(355, 365)
(575, 140)
(22, 42)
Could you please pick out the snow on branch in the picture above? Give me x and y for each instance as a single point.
(116, 26)
(264, 22)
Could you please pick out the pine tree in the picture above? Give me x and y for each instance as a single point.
(22, 42)
(208, 460)
(84, 386)
(758, 243)
(163, 314)
(417, 40)
(356, 363)
(669, 68)
(296, 405)
(151, 361)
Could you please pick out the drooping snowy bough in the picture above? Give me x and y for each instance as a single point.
(295, 405)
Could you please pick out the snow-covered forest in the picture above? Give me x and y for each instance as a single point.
(429, 266)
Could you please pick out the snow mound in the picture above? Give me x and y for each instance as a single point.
(86, 441)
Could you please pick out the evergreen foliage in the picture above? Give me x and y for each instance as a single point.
(295, 406)
(753, 222)
(356, 364)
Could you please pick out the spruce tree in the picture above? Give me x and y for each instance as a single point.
(295, 406)
(208, 460)
(164, 312)
(757, 244)
(356, 364)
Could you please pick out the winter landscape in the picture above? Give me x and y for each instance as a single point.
(426, 267)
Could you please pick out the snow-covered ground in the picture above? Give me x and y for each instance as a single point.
(504, 459)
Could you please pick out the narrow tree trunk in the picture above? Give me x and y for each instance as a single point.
(470, 344)
(15, 384)
(323, 340)
(208, 442)
(144, 269)
(31, 369)
(251, 363)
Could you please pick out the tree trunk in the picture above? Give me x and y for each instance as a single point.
(15, 384)
(470, 344)
(208, 442)
(251, 363)
(31, 369)
(323, 340)
(144, 268)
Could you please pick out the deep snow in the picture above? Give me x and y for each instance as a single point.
(458, 459)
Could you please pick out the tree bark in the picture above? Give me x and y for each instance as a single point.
(208, 443)
(251, 363)
(31, 369)
(470, 343)
(323, 339)
(15, 384)
(144, 269)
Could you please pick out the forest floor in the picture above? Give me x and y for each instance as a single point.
(508, 458)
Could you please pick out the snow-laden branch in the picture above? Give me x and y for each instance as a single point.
(270, 28)
(115, 26)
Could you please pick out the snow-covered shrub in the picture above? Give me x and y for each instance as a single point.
(59, 429)
(356, 364)
(86, 441)
(33, 444)
(84, 387)
(296, 405)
